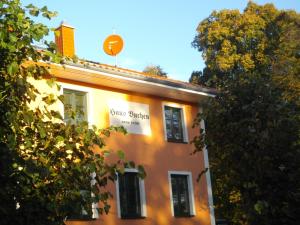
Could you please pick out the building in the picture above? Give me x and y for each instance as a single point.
(158, 114)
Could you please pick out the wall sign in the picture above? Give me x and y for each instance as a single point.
(133, 116)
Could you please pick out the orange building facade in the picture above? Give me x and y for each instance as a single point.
(158, 114)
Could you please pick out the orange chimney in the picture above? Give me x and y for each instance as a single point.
(64, 39)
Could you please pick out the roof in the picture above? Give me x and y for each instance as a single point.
(130, 80)
(141, 75)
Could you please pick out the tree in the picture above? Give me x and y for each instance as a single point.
(155, 70)
(45, 163)
(202, 78)
(253, 124)
(196, 77)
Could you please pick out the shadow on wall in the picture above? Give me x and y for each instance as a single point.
(158, 157)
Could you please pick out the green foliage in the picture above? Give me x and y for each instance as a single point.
(155, 70)
(202, 78)
(50, 170)
(196, 77)
(253, 123)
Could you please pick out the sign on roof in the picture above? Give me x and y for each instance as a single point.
(133, 116)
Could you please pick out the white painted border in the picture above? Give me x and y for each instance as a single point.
(95, 214)
(201, 93)
(190, 189)
(118, 198)
(142, 194)
(208, 180)
(90, 120)
(183, 119)
(89, 100)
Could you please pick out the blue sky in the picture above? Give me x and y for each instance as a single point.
(156, 32)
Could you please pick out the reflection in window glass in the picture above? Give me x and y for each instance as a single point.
(129, 192)
(173, 122)
(180, 195)
(75, 102)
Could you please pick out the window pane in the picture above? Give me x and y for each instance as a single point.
(173, 123)
(129, 195)
(176, 115)
(184, 195)
(168, 112)
(67, 104)
(180, 195)
(75, 101)
(175, 195)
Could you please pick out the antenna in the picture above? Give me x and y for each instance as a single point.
(113, 45)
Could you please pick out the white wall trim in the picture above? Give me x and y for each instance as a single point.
(190, 188)
(89, 100)
(142, 194)
(143, 198)
(208, 180)
(135, 80)
(183, 118)
(118, 198)
(94, 205)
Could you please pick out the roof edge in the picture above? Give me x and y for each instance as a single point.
(142, 77)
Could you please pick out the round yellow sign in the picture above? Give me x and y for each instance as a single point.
(113, 45)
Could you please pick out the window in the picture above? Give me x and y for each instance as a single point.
(131, 196)
(77, 209)
(182, 199)
(174, 124)
(75, 101)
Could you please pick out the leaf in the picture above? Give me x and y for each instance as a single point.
(61, 98)
(34, 11)
(106, 208)
(29, 6)
(142, 172)
(106, 153)
(59, 139)
(201, 173)
(121, 154)
(12, 68)
(42, 131)
(51, 82)
(57, 33)
(130, 164)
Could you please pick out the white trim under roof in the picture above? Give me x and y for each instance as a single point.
(119, 80)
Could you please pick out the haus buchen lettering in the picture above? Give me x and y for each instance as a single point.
(133, 116)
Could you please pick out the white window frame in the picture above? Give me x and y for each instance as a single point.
(95, 206)
(183, 120)
(190, 189)
(89, 100)
(90, 117)
(142, 194)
